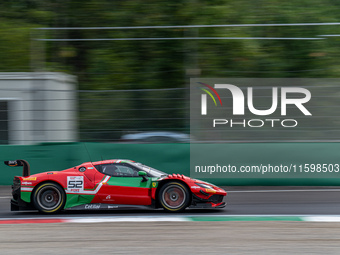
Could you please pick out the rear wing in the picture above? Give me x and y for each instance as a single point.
(20, 162)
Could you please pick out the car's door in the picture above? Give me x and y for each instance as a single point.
(125, 186)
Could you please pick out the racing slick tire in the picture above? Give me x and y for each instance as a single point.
(174, 196)
(49, 197)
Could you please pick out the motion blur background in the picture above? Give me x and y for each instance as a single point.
(78, 76)
(130, 76)
(98, 70)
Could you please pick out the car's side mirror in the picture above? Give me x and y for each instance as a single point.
(143, 175)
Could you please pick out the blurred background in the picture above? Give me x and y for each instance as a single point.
(102, 71)
(85, 80)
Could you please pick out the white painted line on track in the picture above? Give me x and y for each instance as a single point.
(5, 197)
(175, 218)
(180, 218)
(322, 218)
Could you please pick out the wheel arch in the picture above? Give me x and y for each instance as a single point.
(43, 182)
(163, 182)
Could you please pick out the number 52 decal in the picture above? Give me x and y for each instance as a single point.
(75, 183)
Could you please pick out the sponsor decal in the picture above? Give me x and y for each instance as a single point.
(75, 183)
(112, 206)
(12, 163)
(93, 206)
(90, 168)
(30, 179)
(195, 187)
(26, 183)
(88, 192)
(154, 184)
(108, 198)
(210, 191)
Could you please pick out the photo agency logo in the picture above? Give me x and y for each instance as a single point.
(292, 97)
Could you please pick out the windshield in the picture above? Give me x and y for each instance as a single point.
(151, 171)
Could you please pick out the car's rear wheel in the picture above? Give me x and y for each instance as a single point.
(174, 197)
(49, 198)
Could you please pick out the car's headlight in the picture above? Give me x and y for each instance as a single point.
(206, 186)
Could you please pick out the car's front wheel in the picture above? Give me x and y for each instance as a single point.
(49, 198)
(174, 197)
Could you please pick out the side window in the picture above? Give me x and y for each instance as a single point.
(125, 171)
(99, 168)
(108, 169)
(118, 170)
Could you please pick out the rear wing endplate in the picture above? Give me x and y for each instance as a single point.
(20, 162)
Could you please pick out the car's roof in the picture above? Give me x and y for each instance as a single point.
(112, 161)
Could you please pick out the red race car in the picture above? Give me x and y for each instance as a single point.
(110, 184)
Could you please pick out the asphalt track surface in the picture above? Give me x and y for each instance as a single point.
(240, 201)
(226, 237)
(169, 238)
